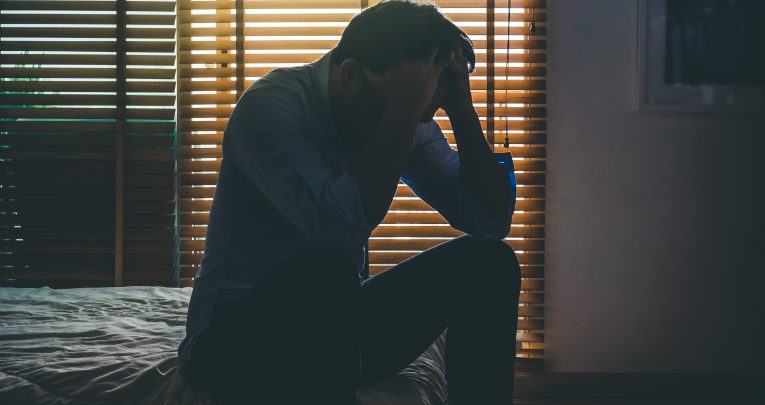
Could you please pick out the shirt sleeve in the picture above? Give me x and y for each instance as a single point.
(433, 174)
(266, 139)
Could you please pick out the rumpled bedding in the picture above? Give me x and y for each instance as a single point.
(118, 345)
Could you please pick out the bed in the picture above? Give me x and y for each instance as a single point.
(118, 345)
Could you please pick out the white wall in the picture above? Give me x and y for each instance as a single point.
(655, 250)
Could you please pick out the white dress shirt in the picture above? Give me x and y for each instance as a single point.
(283, 187)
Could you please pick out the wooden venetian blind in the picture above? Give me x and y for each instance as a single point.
(87, 131)
(225, 45)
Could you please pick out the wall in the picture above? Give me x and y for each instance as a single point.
(655, 247)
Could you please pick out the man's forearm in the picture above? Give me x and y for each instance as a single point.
(479, 171)
(376, 168)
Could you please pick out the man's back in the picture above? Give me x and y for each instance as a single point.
(247, 234)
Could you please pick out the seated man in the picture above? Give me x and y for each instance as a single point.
(312, 156)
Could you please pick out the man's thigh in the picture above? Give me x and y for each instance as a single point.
(251, 342)
(405, 308)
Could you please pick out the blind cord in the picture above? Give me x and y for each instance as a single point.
(507, 69)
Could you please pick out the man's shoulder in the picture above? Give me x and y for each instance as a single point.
(276, 101)
(278, 92)
(292, 82)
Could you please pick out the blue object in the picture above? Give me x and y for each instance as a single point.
(505, 159)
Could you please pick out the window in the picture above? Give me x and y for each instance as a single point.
(87, 134)
(104, 184)
(224, 45)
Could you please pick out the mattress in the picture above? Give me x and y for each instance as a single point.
(118, 345)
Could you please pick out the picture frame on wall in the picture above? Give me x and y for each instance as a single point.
(699, 56)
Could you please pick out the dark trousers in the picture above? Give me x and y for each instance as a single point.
(312, 333)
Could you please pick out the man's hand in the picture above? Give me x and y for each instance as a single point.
(458, 100)
(410, 86)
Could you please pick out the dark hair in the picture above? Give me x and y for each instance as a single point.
(394, 31)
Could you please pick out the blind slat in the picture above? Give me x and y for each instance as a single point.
(85, 18)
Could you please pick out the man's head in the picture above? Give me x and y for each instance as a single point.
(394, 31)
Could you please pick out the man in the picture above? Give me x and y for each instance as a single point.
(311, 159)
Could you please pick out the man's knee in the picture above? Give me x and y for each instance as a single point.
(495, 258)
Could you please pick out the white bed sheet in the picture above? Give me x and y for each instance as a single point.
(118, 345)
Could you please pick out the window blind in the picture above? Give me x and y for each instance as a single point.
(87, 132)
(225, 45)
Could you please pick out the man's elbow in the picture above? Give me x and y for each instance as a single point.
(501, 232)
